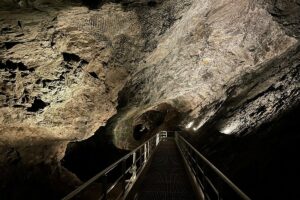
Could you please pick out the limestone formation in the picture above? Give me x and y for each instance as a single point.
(218, 57)
(145, 66)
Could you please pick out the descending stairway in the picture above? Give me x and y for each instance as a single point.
(165, 167)
(166, 177)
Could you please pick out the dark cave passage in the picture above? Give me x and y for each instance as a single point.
(89, 157)
(139, 131)
(265, 163)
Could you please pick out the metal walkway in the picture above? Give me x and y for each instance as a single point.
(166, 177)
(165, 167)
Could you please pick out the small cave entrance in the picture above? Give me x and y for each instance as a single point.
(92, 4)
(37, 105)
(152, 3)
(139, 131)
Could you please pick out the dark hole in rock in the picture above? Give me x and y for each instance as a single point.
(22, 67)
(2, 65)
(38, 81)
(18, 106)
(68, 57)
(6, 30)
(68, 67)
(61, 78)
(139, 131)
(37, 105)
(11, 65)
(45, 82)
(24, 74)
(9, 45)
(92, 4)
(12, 75)
(93, 74)
(20, 35)
(24, 99)
(261, 109)
(152, 3)
(83, 62)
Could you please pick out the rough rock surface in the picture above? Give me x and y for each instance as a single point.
(61, 69)
(60, 72)
(217, 57)
(66, 70)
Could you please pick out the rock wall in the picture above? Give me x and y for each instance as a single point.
(145, 65)
(217, 57)
(61, 69)
(197, 59)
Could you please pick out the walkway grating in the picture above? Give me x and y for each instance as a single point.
(166, 177)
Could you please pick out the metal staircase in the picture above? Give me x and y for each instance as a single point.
(135, 176)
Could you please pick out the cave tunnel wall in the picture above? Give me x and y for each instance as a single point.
(265, 163)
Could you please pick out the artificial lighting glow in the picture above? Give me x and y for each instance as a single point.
(189, 125)
(199, 125)
(229, 129)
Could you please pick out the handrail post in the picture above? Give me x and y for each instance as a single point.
(189, 152)
(137, 166)
(123, 178)
(145, 153)
(148, 144)
(134, 166)
(141, 161)
(104, 186)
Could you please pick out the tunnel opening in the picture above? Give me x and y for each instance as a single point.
(92, 4)
(152, 3)
(139, 131)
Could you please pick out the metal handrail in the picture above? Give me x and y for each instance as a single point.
(187, 150)
(144, 152)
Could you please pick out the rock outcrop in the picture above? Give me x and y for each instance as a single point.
(231, 57)
(146, 66)
(61, 70)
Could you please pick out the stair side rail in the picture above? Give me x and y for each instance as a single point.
(115, 181)
(211, 181)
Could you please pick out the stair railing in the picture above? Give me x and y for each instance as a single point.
(211, 182)
(115, 181)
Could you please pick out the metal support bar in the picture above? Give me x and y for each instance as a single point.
(190, 154)
(123, 178)
(104, 186)
(144, 152)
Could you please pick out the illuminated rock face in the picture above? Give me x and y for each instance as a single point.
(61, 69)
(61, 74)
(66, 70)
(183, 62)
(230, 62)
